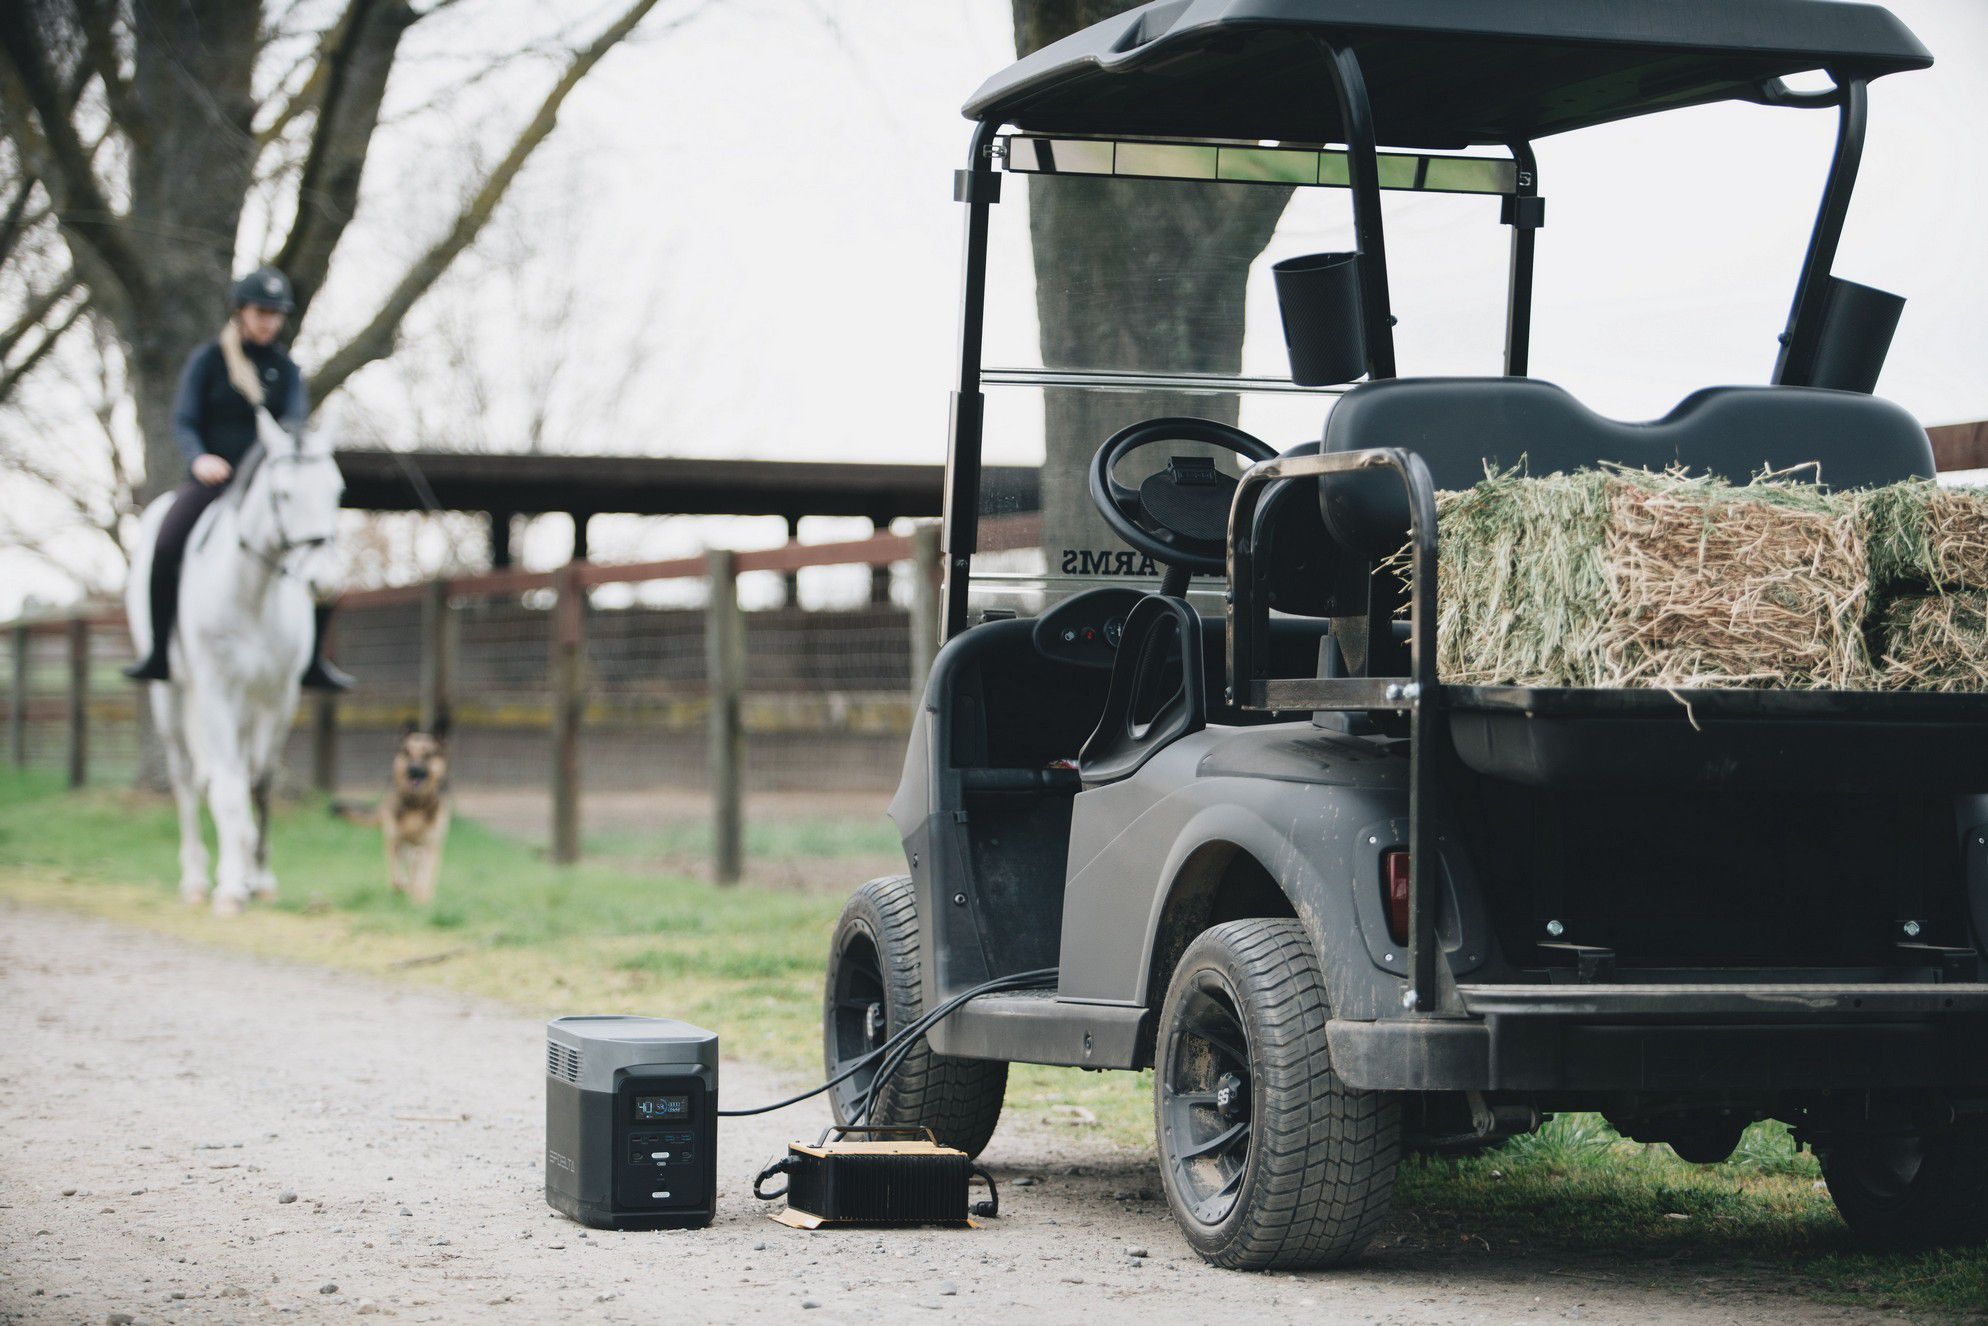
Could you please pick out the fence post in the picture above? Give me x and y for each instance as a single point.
(724, 667)
(79, 701)
(569, 698)
(324, 741)
(438, 650)
(17, 712)
(924, 604)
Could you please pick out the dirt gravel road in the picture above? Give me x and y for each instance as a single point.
(195, 1136)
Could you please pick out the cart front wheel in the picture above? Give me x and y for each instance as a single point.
(874, 962)
(1912, 1191)
(1269, 1161)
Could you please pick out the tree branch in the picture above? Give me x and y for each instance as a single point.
(358, 56)
(37, 118)
(376, 339)
(11, 378)
(100, 54)
(36, 310)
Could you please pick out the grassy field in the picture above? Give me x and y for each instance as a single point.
(617, 935)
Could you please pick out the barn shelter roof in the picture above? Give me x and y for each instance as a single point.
(528, 484)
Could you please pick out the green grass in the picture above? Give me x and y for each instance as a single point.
(768, 840)
(616, 936)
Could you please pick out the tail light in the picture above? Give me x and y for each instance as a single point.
(1394, 892)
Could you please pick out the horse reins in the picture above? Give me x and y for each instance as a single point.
(276, 563)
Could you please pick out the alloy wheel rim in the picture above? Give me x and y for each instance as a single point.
(1207, 1100)
(858, 1020)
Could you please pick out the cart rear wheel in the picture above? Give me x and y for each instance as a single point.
(1268, 1160)
(1912, 1192)
(874, 961)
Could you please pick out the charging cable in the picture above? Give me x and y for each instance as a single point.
(895, 1050)
(889, 1057)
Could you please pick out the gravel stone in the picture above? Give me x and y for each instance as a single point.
(287, 1196)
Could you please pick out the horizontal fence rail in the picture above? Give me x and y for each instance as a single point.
(629, 686)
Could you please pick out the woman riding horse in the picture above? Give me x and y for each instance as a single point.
(225, 382)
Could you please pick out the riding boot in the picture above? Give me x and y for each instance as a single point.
(165, 607)
(323, 674)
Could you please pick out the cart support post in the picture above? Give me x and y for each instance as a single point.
(1523, 213)
(977, 186)
(79, 701)
(17, 710)
(724, 665)
(1795, 366)
(925, 578)
(1356, 118)
(569, 698)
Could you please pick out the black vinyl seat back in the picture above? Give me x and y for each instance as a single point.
(1459, 426)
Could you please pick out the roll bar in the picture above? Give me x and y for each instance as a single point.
(1431, 990)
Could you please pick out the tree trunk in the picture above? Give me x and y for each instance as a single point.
(1095, 236)
(190, 170)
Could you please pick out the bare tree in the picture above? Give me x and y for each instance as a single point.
(1092, 238)
(136, 134)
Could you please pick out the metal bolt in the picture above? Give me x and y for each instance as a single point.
(1410, 1000)
(1911, 929)
(914, 860)
(1371, 840)
(1555, 929)
(1393, 691)
(1387, 957)
(959, 900)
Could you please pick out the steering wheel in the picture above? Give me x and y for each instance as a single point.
(1178, 516)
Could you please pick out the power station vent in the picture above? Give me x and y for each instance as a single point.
(562, 1061)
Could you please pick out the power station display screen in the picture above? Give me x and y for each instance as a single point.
(662, 1107)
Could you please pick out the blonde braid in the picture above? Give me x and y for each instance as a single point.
(240, 371)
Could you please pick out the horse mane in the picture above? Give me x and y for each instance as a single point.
(238, 487)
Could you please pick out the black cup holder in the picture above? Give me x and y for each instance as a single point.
(1319, 297)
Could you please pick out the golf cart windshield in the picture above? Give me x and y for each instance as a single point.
(1131, 280)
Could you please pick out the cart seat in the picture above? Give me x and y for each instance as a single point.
(1459, 426)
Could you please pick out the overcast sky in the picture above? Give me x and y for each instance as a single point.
(791, 179)
(763, 201)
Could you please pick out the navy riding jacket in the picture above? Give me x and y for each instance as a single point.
(211, 418)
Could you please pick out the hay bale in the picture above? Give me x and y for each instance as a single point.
(1924, 535)
(1624, 578)
(1938, 642)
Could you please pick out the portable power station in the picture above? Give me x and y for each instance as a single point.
(631, 1121)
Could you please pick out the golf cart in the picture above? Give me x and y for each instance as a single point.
(1232, 825)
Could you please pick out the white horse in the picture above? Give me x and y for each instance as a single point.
(254, 565)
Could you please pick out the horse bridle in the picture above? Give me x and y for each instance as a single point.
(277, 562)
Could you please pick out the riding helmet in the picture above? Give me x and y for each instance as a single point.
(265, 287)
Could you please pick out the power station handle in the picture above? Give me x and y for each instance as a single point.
(887, 1129)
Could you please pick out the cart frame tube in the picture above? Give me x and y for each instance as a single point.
(978, 187)
(1524, 221)
(1356, 119)
(1796, 365)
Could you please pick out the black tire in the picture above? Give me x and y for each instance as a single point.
(1912, 1192)
(1315, 1178)
(874, 964)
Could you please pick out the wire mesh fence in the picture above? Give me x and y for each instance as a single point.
(816, 699)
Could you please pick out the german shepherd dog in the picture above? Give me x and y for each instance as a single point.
(415, 815)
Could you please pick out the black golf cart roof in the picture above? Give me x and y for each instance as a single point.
(1441, 73)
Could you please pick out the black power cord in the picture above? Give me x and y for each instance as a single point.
(893, 1053)
(901, 1043)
